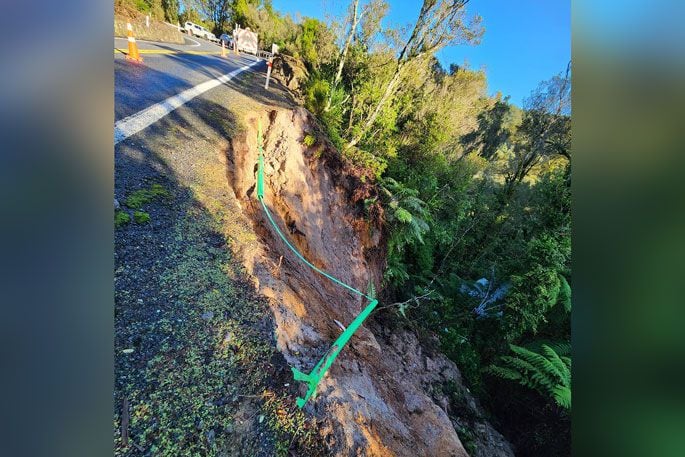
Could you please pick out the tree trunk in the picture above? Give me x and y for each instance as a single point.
(353, 104)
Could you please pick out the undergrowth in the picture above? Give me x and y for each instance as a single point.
(289, 423)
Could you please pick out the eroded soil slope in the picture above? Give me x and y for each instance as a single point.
(383, 396)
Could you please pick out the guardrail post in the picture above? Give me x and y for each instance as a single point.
(269, 64)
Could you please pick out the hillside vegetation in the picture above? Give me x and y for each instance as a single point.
(474, 192)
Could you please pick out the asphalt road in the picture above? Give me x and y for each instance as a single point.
(166, 70)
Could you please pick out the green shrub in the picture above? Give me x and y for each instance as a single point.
(141, 217)
(366, 160)
(309, 140)
(316, 95)
(142, 6)
(407, 218)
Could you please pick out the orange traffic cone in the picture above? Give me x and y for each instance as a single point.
(132, 46)
(223, 49)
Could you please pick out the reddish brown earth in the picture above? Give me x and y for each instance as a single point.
(382, 396)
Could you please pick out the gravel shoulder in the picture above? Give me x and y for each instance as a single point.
(196, 368)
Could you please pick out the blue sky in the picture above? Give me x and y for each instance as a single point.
(525, 41)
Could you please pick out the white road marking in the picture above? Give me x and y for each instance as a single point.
(134, 123)
(197, 43)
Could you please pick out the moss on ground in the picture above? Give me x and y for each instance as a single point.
(204, 377)
(140, 197)
(121, 218)
(181, 404)
(288, 422)
(141, 217)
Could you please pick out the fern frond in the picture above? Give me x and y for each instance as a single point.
(547, 372)
(504, 373)
(561, 348)
(519, 364)
(541, 364)
(557, 365)
(403, 215)
(562, 395)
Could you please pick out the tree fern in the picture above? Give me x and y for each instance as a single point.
(407, 213)
(547, 371)
(407, 216)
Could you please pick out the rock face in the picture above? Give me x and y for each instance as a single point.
(376, 400)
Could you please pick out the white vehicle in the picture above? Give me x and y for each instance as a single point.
(197, 30)
(210, 36)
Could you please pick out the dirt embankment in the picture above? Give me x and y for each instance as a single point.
(291, 72)
(385, 395)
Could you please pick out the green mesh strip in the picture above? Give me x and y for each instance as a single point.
(313, 378)
(301, 257)
(260, 173)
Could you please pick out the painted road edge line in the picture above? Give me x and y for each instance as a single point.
(134, 123)
(170, 52)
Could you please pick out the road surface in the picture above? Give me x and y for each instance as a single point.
(167, 70)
